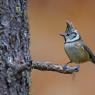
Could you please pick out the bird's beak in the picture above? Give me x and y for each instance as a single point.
(61, 34)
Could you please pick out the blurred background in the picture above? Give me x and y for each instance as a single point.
(46, 20)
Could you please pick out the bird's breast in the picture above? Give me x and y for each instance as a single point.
(76, 52)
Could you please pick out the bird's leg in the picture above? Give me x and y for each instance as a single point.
(72, 69)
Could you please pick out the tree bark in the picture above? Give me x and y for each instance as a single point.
(15, 59)
(14, 47)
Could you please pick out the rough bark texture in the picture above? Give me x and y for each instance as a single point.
(14, 47)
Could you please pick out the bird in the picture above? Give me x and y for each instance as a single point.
(76, 49)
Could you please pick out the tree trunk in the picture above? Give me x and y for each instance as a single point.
(14, 47)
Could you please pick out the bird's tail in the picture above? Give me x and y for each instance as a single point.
(93, 59)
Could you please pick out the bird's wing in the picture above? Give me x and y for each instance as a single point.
(92, 56)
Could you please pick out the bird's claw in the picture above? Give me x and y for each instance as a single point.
(69, 69)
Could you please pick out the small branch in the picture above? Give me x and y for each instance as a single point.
(60, 68)
(46, 66)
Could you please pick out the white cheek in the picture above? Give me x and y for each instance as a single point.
(74, 39)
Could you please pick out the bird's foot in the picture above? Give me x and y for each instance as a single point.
(71, 69)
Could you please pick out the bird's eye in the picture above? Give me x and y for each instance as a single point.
(68, 34)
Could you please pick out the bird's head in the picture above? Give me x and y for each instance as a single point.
(70, 34)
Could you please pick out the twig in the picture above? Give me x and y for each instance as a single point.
(47, 66)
